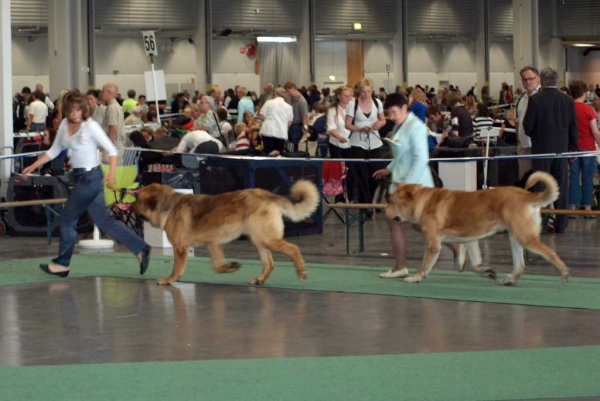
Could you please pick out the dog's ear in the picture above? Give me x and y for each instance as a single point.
(406, 193)
(151, 196)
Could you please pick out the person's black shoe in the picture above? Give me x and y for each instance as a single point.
(145, 260)
(47, 270)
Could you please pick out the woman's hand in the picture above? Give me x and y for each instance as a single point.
(379, 174)
(341, 139)
(109, 180)
(27, 170)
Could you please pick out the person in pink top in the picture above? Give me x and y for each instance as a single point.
(583, 168)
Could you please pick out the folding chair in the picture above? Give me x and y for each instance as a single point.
(121, 199)
(131, 156)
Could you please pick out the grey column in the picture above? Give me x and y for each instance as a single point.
(311, 38)
(483, 47)
(304, 77)
(400, 46)
(557, 57)
(526, 35)
(6, 89)
(67, 45)
(201, 38)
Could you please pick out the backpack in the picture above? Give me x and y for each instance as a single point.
(319, 127)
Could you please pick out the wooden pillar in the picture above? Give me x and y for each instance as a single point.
(354, 61)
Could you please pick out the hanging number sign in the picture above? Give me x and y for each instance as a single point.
(150, 43)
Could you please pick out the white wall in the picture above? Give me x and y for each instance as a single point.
(458, 65)
(376, 55)
(585, 68)
(29, 63)
(501, 67)
(126, 55)
(231, 68)
(430, 62)
(423, 64)
(330, 59)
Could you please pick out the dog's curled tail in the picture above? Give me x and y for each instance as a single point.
(550, 193)
(304, 200)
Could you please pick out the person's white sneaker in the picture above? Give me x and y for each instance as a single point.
(395, 273)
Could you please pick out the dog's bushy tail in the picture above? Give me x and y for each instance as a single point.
(550, 193)
(303, 201)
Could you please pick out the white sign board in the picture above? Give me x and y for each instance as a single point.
(150, 43)
(161, 90)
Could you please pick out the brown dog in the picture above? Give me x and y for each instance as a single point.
(214, 220)
(465, 217)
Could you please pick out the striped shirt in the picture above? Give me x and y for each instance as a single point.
(482, 125)
(242, 142)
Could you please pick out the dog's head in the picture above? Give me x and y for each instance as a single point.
(403, 203)
(151, 201)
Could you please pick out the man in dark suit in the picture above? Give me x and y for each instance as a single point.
(551, 124)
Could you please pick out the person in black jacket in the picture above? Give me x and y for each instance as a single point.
(551, 124)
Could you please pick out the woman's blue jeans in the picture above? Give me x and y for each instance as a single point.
(581, 168)
(88, 194)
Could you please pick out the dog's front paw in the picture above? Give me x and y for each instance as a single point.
(565, 277)
(413, 279)
(302, 275)
(235, 266)
(509, 280)
(164, 281)
(256, 281)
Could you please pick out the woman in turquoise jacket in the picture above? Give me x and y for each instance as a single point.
(410, 165)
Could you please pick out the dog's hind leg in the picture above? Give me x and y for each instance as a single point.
(518, 262)
(292, 251)
(218, 260)
(268, 265)
(535, 245)
(180, 255)
(477, 261)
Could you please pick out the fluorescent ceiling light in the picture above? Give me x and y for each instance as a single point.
(583, 45)
(276, 39)
(28, 29)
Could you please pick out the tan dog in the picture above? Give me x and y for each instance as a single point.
(465, 217)
(214, 220)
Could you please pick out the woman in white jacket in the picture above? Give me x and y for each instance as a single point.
(410, 165)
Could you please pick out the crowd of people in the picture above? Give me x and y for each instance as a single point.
(348, 122)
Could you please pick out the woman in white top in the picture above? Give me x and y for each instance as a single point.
(339, 145)
(225, 127)
(364, 117)
(82, 136)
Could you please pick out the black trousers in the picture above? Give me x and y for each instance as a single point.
(361, 184)
(338, 153)
(559, 169)
(270, 144)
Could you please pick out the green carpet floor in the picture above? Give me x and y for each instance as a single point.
(493, 375)
(531, 290)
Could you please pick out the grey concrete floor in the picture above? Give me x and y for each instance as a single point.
(101, 320)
